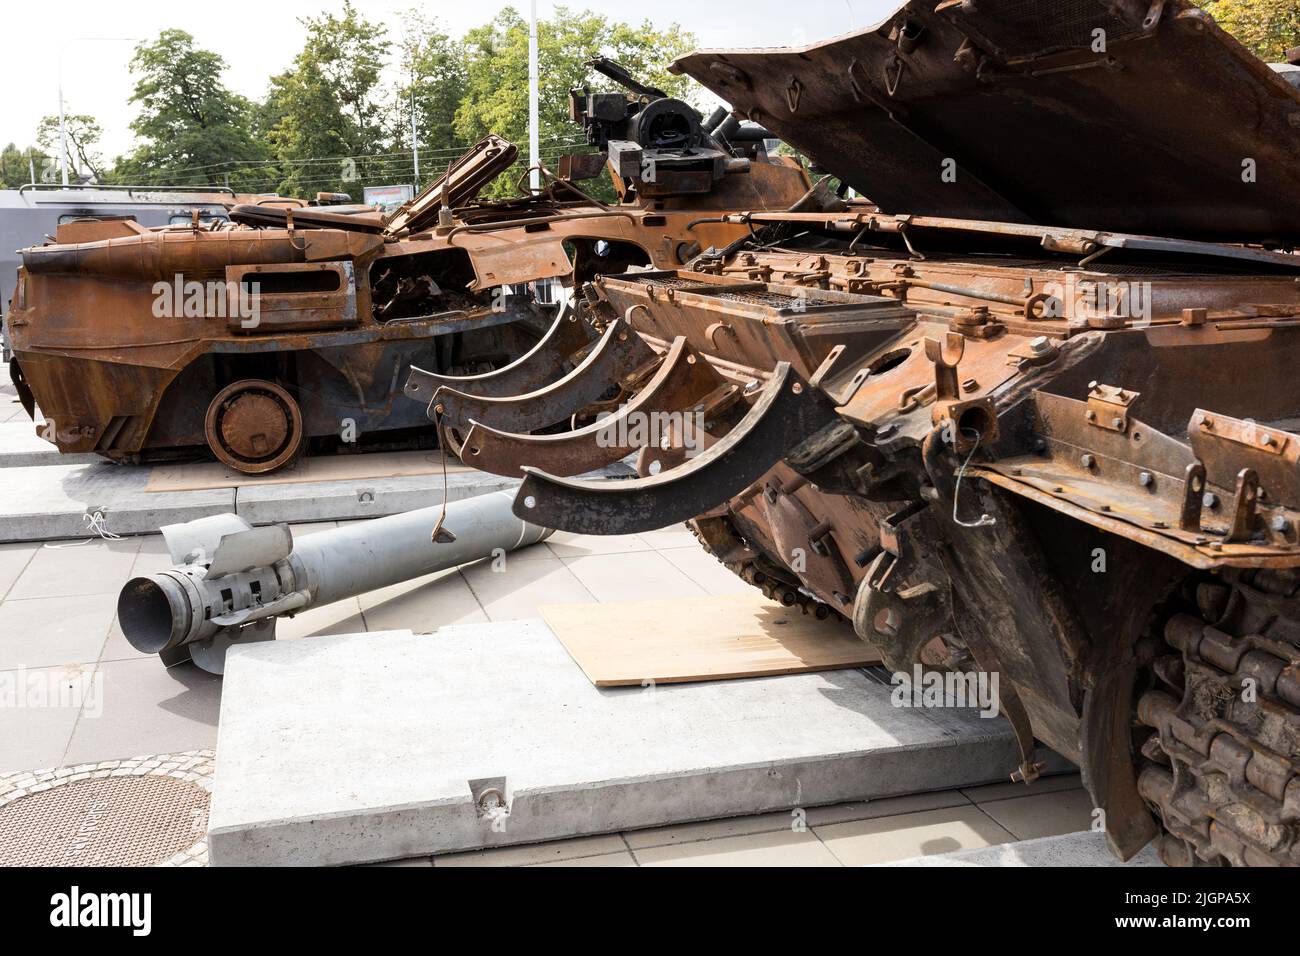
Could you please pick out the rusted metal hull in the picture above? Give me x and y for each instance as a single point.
(126, 337)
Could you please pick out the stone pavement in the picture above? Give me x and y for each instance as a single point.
(58, 630)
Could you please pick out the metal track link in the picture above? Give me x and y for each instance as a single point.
(1222, 768)
(718, 536)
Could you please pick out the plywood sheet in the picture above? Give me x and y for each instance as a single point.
(400, 464)
(696, 639)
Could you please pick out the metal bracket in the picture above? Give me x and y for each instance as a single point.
(1243, 506)
(1193, 496)
(1108, 406)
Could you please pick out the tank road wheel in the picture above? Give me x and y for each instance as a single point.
(254, 426)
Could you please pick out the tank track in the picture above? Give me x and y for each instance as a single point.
(718, 536)
(1219, 765)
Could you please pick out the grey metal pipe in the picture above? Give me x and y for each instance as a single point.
(231, 581)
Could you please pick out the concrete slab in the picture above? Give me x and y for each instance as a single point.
(358, 497)
(1086, 848)
(21, 447)
(366, 747)
(44, 502)
(48, 502)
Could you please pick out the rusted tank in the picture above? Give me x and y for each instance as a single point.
(1028, 413)
(286, 327)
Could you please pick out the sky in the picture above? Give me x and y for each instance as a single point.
(259, 38)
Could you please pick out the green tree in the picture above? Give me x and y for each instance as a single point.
(191, 129)
(332, 117)
(1266, 27)
(84, 161)
(18, 165)
(432, 67)
(496, 95)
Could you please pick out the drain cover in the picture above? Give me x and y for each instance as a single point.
(107, 821)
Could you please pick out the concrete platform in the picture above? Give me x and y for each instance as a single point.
(1073, 849)
(21, 447)
(46, 502)
(365, 747)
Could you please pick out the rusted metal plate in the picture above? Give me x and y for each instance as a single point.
(541, 365)
(785, 413)
(670, 399)
(614, 361)
(1011, 110)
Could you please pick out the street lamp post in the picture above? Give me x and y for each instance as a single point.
(535, 176)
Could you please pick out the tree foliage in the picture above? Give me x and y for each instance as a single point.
(17, 166)
(84, 160)
(191, 130)
(1267, 27)
(496, 94)
(339, 118)
(330, 106)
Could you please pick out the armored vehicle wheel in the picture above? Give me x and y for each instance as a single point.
(254, 426)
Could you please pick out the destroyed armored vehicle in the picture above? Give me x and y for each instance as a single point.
(1030, 411)
(287, 326)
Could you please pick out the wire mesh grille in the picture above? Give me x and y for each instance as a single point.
(108, 821)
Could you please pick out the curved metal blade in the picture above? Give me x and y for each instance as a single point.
(540, 365)
(787, 412)
(681, 382)
(618, 354)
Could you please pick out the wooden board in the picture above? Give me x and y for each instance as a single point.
(398, 464)
(694, 639)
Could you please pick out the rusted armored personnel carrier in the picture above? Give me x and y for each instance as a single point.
(1032, 411)
(284, 326)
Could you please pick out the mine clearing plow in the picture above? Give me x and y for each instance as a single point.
(1033, 424)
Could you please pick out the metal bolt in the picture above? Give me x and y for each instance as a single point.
(1145, 479)
(1040, 345)
(1280, 523)
(1266, 440)
(1117, 423)
(970, 385)
(1210, 500)
(1087, 461)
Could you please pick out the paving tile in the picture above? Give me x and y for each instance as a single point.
(675, 536)
(605, 859)
(781, 848)
(1044, 814)
(885, 807)
(341, 617)
(422, 605)
(118, 648)
(64, 569)
(566, 545)
(709, 830)
(50, 632)
(632, 577)
(152, 558)
(535, 853)
(13, 559)
(706, 571)
(38, 711)
(148, 708)
(1005, 791)
(863, 842)
(517, 591)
